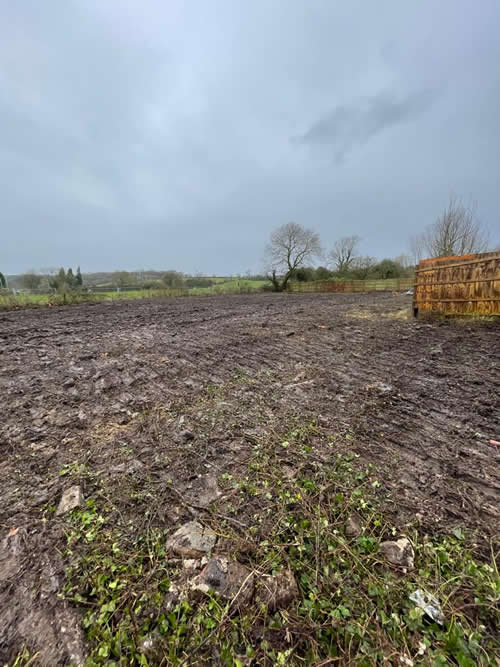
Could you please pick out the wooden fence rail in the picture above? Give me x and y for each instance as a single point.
(390, 285)
(464, 285)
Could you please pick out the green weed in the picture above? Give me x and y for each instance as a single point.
(353, 608)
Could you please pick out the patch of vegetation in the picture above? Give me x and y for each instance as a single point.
(199, 281)
(291, 505)
(230, 286)
(24, 658)
(205, 287)
(25, 300)
(20, 301)
(174, 279)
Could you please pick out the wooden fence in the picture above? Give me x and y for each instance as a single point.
(390, 285)
(464, 285)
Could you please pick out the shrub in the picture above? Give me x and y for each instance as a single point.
(199, 281)
(173, 279)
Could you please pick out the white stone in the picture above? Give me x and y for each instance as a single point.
(71, 498)
(399, 552)
(192, 540)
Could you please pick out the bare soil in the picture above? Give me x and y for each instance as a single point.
(171, 395)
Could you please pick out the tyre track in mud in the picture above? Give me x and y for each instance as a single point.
(422, 399)
(110, 386)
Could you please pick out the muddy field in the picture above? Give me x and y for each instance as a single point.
(175, 394)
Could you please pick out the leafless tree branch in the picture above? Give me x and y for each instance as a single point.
(344, 253)
(457, 231)
(291, 245)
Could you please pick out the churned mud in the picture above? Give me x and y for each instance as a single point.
(172, 395)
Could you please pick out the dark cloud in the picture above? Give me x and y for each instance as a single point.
(142, 134)
(349, 126)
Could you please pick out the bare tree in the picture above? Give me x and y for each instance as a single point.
(416, 248)
(404, 260)
(291, 245)
(457, 231)
(344, 253)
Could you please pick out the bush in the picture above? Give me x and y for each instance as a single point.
(322, 273)
(387, 268)
(304, 275)
(173, 279)
(199, 281)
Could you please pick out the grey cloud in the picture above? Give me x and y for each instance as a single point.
(349, 126)
(158, 134)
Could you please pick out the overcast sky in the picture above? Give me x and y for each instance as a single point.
(178, 133)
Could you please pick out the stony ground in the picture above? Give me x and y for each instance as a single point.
(157, 406)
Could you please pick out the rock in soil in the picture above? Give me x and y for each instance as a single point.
(205, 491)
(192, 540)
(191, 564)
(71, 498)
(152, 646)
(399, 553)
(228, 579)
(277, 591)
(129, 467)
(353, 527)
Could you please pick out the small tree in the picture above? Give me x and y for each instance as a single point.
(457, 231)
(387, 268)
(3, 282)
(31, 280)
(78, 278)
(290, 247)
(344, 253)
(58, 281)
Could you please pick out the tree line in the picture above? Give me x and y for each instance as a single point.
(293, 248)
(67, 280)
(63, 280)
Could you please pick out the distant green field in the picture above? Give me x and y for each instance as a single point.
(223, 286)
(13, 302)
